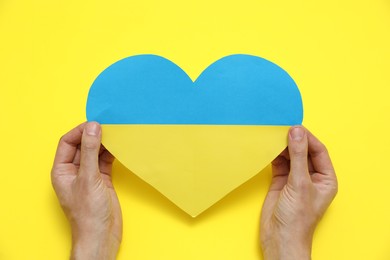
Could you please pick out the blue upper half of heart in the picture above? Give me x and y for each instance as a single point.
(235, 90)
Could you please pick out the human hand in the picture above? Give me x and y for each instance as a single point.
(81, 177)
(303, 186)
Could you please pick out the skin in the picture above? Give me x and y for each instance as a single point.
(303, 186)
(81, 177)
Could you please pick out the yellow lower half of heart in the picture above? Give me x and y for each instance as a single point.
(195, 165)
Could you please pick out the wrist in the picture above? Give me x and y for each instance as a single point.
(101, 245)
(291, 247)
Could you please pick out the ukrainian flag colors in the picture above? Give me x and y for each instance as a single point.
(195, 141)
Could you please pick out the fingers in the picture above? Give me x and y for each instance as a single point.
(281, 165)
(105, 162)
(319, 156)
(298, 150)
(90, 147)
(67, 146)
(280, 171)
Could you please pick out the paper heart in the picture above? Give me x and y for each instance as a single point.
(195, 141)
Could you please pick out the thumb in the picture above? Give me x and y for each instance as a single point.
(90, 147)
(298, 150)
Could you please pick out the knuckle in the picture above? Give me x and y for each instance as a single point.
(61, 140)
(323, 148)
(299, 152)
(90, 144)
(335, 187)
(278, 161)
(320, 150)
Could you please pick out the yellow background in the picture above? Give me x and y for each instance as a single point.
(337, 51)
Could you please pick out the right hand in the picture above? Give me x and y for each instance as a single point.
(303, 186)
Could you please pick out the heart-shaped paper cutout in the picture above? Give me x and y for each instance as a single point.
(195, 141)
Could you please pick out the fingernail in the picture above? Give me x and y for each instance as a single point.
(297, 133)
(92, 129)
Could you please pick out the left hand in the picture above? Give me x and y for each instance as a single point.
(81, 177)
